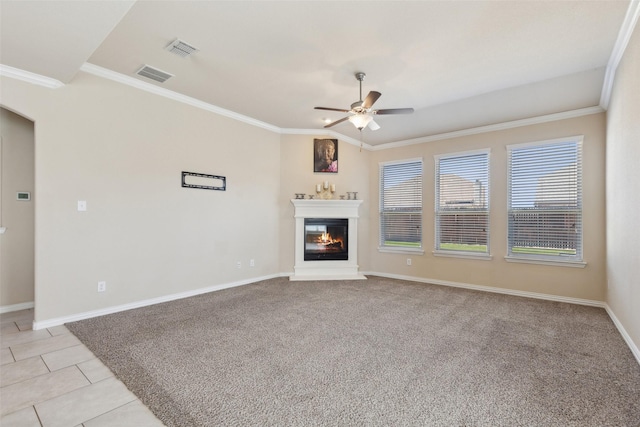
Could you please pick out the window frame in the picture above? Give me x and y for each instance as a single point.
(576, 260)
(440, 213)
(381, 231)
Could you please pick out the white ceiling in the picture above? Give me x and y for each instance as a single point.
(460, 64)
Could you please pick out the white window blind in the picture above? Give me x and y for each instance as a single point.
(401, 204)
(545, 200)
(462, 202)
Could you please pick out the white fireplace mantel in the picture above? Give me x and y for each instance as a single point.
(326, 270)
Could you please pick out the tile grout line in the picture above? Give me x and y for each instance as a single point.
(58, 395)
(82, 372)
(113, 409)
(45, 364)
(49, 352)
(27, 342)
(46, 373)
(37, 415)
(131, 398)
(85, 386)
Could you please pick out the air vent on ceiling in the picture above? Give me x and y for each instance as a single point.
(154, 74)
(181, 48)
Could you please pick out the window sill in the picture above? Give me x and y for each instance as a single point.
(465, 255)
(399, 250)
(574, 264)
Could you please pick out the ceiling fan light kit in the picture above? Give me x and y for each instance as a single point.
(360, 121)
(361, 111)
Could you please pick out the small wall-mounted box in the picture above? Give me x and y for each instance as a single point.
(23, 195)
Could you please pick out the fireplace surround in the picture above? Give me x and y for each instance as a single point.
(328, 230)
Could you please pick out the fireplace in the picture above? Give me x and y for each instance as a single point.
(326, 239)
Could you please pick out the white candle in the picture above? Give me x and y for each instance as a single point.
(326, 185)
(318, 189)
(333, 188)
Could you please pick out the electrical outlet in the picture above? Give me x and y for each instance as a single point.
(252, 263)
(408, 261)
(238, 265)
(102, 286)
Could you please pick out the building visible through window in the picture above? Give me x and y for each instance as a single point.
(545, 200)
(462, 202)
(401, 205)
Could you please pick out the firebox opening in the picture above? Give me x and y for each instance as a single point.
(326, 239)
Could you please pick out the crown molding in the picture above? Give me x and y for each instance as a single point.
(493, 128)
(29, 77)
(148, 87)
(329, 133)
(628, 25)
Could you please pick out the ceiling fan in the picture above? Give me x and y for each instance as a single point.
(362, 113)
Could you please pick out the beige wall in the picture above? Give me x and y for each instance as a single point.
(122, 150)
(623, 192)
(297, 176)
(17, 244)
(587, 283)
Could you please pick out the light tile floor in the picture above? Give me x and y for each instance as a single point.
(49, 378)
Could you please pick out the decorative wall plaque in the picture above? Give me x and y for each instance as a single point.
(204, 181)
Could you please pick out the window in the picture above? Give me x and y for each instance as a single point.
(545, 201)
(401, 205)
(462, 203)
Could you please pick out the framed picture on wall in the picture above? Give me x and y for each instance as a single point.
(325, 155)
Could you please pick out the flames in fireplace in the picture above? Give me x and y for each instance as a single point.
(325, 239)
(329, 243)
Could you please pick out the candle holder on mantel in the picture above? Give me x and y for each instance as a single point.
(325, 190)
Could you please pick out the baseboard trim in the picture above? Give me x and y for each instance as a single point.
(16, 307)
(527, 294)
(627, 338)
(109, 310)
(144, 303)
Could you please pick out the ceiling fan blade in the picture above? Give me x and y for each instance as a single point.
(373, 125)
(371, 99)
(394, 111)
(332, 109)
(337, 121)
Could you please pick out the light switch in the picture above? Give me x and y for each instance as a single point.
(82, 205)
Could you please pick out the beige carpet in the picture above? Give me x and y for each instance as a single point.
(379, 352)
